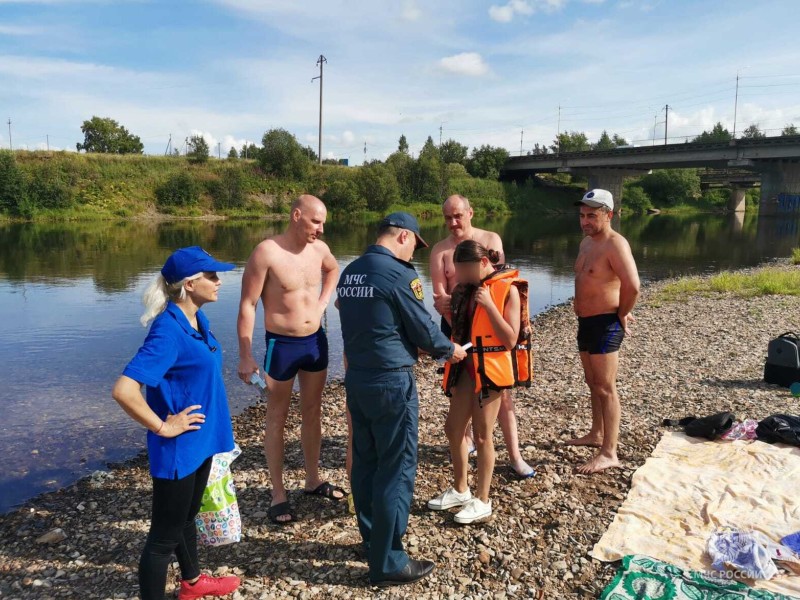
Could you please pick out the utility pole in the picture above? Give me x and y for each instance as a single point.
(735, 104)
(655, 122)
(365, 151)
(440, 134)
(169, 146)
(320, 61)
(48, 142)
(521, 133)
(219, 150)
(10, 147)
(666, 123)
(558, 133)
(186, 146)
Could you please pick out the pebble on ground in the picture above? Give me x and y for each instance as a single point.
(694, 356)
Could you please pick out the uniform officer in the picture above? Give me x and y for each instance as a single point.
(384, 321)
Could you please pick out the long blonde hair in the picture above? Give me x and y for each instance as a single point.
(158, 293)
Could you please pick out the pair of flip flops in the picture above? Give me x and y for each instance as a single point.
(326, 490)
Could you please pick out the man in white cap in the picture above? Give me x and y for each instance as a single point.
(606, 290)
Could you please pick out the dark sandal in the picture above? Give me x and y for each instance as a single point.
(326, 490)
(522, 476)
(280, 510)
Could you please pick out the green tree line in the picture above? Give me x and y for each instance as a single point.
(265, 177)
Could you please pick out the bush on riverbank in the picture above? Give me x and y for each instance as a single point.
(12, 184)
(180, 189)
(678, 190)
(66, 185)
(796, 256)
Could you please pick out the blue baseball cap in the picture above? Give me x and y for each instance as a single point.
(186, 262)
(403, 220)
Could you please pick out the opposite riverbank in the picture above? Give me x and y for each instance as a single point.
(694, 351)
(66, 186)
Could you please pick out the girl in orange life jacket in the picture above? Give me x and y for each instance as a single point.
(479, 384)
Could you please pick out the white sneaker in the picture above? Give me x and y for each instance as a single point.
(474, 510)
(450, 499)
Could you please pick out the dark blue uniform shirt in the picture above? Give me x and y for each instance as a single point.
(384, 319)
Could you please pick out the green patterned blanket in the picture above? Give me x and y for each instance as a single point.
(645, 578)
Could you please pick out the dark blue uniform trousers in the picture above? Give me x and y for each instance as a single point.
(385, 411)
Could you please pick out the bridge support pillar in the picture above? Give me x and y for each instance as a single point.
(737, 200)
(608, 179)
(612, 180)
(780, 188)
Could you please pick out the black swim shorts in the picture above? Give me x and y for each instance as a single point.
(600, 334)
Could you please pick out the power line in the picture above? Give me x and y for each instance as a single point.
(640, 101)
(769, 76)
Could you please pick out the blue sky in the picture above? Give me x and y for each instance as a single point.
(483, 71)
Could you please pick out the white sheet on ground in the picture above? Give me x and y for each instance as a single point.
(690, 486)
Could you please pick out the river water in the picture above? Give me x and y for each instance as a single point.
(70, 300)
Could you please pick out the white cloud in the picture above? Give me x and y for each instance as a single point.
(466, 63)
(505, 13)
(19, 30)
(410, 11)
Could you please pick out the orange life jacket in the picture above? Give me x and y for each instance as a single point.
(495, 366)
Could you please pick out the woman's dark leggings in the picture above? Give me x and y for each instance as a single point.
(172, 531)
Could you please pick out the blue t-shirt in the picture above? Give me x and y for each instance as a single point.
(181, 367)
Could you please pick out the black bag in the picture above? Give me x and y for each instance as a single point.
(710, 427)
(783, 360)
(784, 429)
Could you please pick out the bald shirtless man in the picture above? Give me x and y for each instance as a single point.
(294, 275)
(458, 217)
(606, 290)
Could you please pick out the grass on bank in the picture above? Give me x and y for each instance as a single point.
(795, 256)
(768, 281)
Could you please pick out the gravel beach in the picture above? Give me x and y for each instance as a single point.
(699, 355)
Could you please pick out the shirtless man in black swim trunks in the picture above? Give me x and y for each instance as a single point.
(606, 290)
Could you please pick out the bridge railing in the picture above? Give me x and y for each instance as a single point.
(659, 149)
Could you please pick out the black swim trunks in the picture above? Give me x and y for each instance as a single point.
(287, 355)
(600, 334)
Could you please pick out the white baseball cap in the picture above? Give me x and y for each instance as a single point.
(597, 198)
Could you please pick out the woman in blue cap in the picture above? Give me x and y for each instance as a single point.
(186, 414)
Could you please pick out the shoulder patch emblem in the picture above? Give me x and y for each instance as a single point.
(416, 287)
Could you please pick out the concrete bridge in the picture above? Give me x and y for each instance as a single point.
(774, 160)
